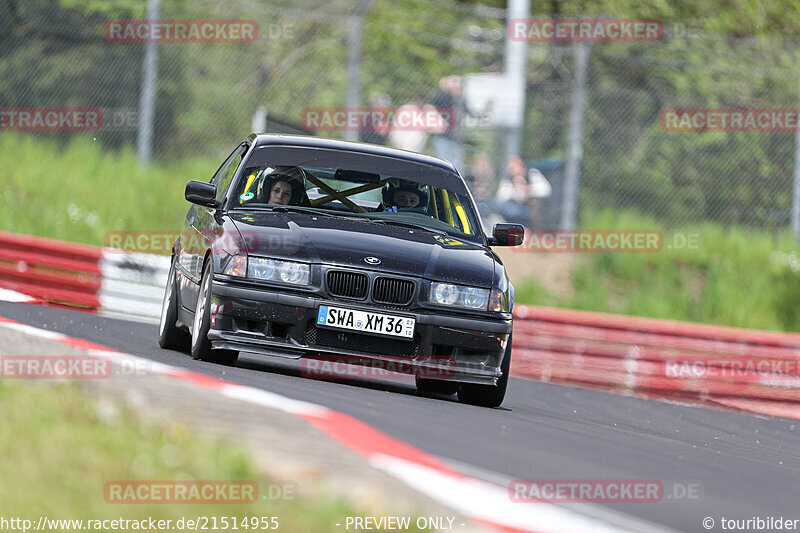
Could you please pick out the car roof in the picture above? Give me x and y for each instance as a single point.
(274, 139)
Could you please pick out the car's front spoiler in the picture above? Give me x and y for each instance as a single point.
(461, 372)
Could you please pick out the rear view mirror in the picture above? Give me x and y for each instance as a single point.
(356, 176)
(201, 193)
(507, 235)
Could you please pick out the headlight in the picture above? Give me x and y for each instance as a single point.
(458, 296)
(293, 273)
(280, 271)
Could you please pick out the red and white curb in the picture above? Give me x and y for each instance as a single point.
(479, 500)
(7, 295)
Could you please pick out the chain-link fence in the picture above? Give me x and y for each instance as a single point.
(57, 53)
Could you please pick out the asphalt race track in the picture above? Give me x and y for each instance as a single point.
(747, 466)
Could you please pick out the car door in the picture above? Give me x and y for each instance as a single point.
(199, 230)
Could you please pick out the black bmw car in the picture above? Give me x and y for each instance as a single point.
(303, 247)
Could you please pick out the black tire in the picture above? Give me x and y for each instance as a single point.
(169, 335)
(488, 395)
(437, 386)
(201, 346)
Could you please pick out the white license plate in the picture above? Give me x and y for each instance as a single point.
(365, 321)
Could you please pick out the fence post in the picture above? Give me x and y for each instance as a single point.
(796, 185)
(147, 91)
(356, 23)
(572, 168)
(515, 67)
(258, 122)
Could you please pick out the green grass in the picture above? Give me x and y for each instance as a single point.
(79, 192)
(727, 279)
(57, 454)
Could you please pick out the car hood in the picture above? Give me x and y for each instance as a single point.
(349, 242)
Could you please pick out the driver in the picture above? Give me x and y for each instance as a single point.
(281, 189)
(404, 194)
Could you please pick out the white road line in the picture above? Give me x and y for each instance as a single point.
(7, 295)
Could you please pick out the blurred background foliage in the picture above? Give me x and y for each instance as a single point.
(722, 53)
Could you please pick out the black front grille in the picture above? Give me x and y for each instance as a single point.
(358, 342)
(393, 291)
(347, 284)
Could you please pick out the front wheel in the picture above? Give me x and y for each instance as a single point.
(201, 346)
(488, 395)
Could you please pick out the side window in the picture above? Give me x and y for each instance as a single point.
(228, 176)
(226, 172)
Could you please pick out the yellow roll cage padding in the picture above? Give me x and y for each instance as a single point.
(462, 215)
(448, 210)
(250, 179)
(432, 194)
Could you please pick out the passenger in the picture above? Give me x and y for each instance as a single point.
(404, 194)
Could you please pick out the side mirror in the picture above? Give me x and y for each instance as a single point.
(507, 235)
(201, 193)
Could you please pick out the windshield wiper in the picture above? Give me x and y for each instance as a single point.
(296, 209)
(407, 225)
(312, 211)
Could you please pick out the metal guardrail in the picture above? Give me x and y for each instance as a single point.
(92, 278)
(133, 284)
(678, 360)
(50, 270)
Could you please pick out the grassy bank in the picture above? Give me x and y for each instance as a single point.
(57, 453)
(79, 192)
(728, 278)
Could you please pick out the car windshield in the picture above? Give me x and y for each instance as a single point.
(412, 198)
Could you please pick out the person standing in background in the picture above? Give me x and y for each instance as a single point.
(450, 104)
(376, 131)
(412, 125)
(448, 144)
(482, 183)
(515, 193)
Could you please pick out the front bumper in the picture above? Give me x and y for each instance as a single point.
(270, 322)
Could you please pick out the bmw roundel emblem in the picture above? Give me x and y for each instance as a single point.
(372, 260)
